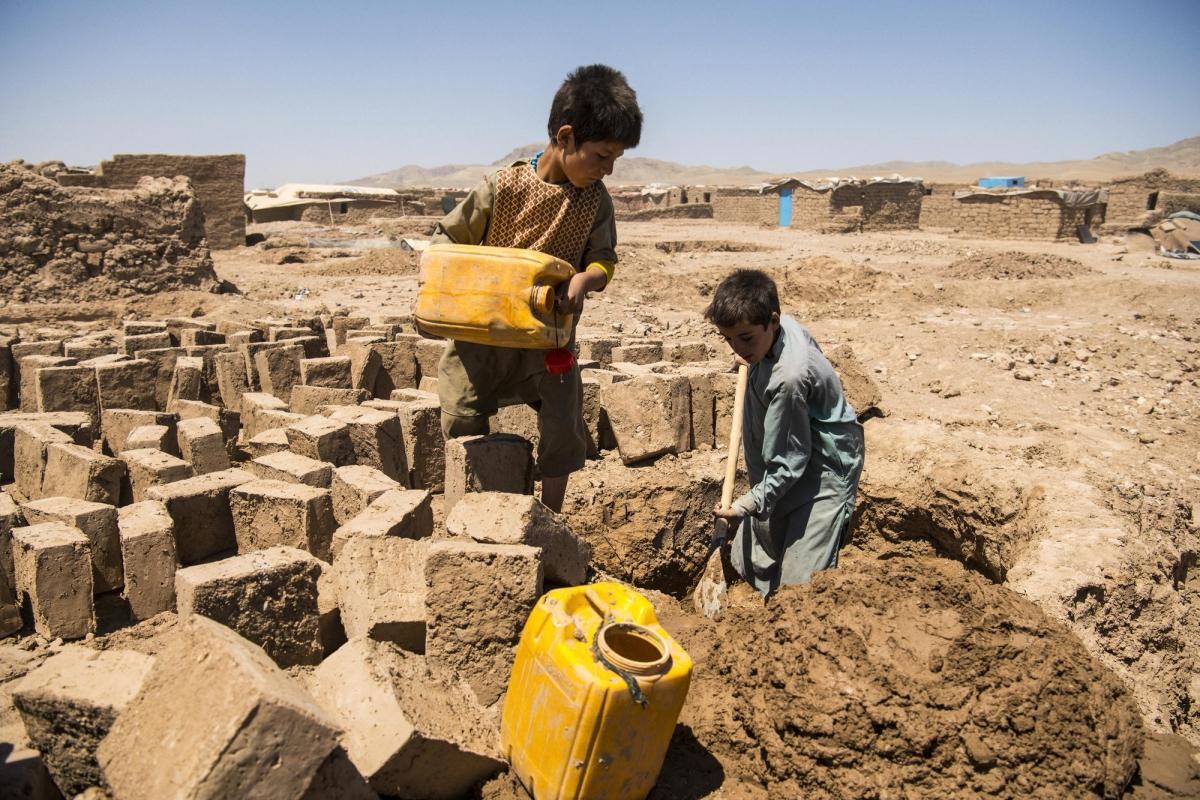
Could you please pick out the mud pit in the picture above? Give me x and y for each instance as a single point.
(1037, 434)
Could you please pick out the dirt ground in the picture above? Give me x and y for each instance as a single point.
(1039, 401)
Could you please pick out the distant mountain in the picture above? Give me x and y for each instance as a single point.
(1181, 158)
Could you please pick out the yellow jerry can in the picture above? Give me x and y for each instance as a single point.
(596, 690)
(502, 296)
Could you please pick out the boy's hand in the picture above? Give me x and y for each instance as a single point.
(731, 514)
(570, 298)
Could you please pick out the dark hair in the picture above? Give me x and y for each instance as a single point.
(599, 106)
(747, 295)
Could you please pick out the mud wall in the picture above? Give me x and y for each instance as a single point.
(61, 244)
(219, 182)
(1021, 216)
(810, 208)
(360, 212)
(892, 206)
(1129, 198)
(939, 206)
(745, 205)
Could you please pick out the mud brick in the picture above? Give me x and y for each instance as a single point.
(254, 403)
(202, 445)
(30, 441)
(232, 382)
(355, 487)
(291, 468)
(69, 703)
(269, 441)
(518, 420)
(98, 522)
(10, 517)
(323, 439)
(279, 370)
(74, 471)
(228, 420)
(103, 361)
(250, 352)
(724, 386)
(332, 372)
(267, 596)
(215, 707)
(187, 379)
(52, 566)
(164, 370)
(503, 518)
(151, 437)
(116, 424)
(142, 327)
(146, 468)
(127, 384)
(398, 367)
(364, 363)
(478, 645)
(407, 513)
(607, 377)
(408, 734)
(637, 353)
(702, 406)
(199, 509)
(341, 325)
(30, 366)
(157, 340)
(36, 347)
(308, 400)
(498, 462)
(380, 585)
(313, 346)
(148, 554)
(10, 616)
(84, 349)
(424, 445)
(329, 618)
(8, 382)
(597, 349)
(237, 338)
(649, 415)
(282, 333)
(429, 385)
(429, 353)
(196, 337)
(593, 409)
(685, 352)
(376, 437)
(270, 418)
(177, 325)
(268, 513)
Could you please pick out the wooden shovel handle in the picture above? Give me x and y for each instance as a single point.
(735, 435)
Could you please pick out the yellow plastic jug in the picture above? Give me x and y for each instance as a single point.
(596, 690)
(502, 296)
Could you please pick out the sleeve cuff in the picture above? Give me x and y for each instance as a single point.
(745, 505)
(609, 268)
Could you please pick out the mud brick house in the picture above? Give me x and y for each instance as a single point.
(1026, 213)
(219, 182)
(744, 204)
(320, 202)
(1131, 197)
(842, 205)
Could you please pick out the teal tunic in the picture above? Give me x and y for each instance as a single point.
(804, 452)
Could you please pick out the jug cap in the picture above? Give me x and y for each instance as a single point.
(559, 361)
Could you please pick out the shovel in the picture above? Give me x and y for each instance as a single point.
(712, 586)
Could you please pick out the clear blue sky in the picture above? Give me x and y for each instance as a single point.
(328, 91)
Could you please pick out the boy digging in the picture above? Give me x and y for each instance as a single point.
(555, 203)
(803, 444)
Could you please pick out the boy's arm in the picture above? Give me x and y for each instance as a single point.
(468, 222)
(600, 253)
(786, 449)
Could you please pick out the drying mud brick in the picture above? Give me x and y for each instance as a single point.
(323, 439)
(98, 522)
(598, 349)
(268, 596)
(137, 342)
(428, 353)
(117, 423)
(364, 363)
(126, 384)
(282, 332)
(342, 325)
(226, 719)
(89, 348)
(74, 471)
(519, 420)
(199, 509)
(291, 467)
(266, 443)
(685, 352)
(503, 518)
(309, 400)
(355, 487)
(232, 382)
(10, 610)
(177, 325)
(724, 386)
(7, 373)
(187, 380)
(649, 415)
(329, 617)
(380, 586)
(332, 372)
(147, 468)
(148, 554)
(498, 462)
(254, 404)
(593, 412)
(202, 445)
(30, 441)
(164, 370)
(30, 367)
(376, 438)
(861, 390)
(424, 445)
(52, 565)
(269, 513)
(702, 406)
(199, 337)
(152, 437)
(67, 389)
(407, 733)
(637, 353)
(135, 327)
(397, 512)
(69, 703)
(10, 517)
(228, 420)
(398, 367)
(279, 370)
(476, 602)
